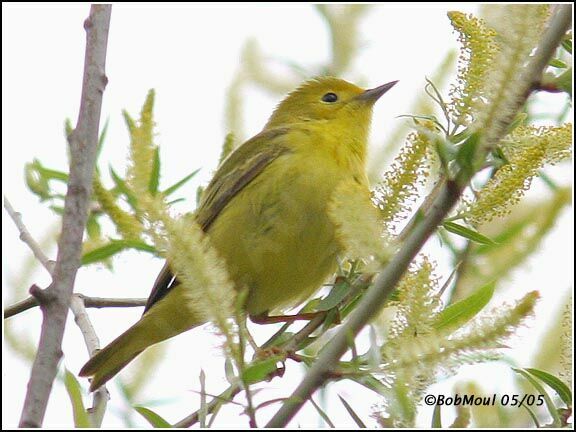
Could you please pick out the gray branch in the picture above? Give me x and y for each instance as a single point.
(89, 302)
(55, 299)
(101, 396)
(447, 197)
(27, 238)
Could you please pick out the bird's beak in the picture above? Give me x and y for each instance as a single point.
(374, 94)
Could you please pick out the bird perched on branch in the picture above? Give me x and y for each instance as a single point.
(266, 213)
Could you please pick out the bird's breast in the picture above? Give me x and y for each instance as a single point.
(276, 235)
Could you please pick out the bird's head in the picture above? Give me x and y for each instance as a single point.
(327, 99)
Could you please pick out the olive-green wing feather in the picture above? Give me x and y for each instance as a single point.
(238, 170)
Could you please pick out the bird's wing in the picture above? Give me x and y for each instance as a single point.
(237, 171)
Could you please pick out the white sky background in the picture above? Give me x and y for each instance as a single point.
(190, 55)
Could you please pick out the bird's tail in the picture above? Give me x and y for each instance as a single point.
(110, 360)
(152, 328)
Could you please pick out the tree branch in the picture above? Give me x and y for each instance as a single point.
(55, 300)
(101, 396)
(27, 238)
(447, 197)
(89, 302)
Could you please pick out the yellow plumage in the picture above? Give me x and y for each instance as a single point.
(266, 213)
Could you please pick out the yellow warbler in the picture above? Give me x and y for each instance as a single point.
(266, 213)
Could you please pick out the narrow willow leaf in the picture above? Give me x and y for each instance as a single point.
(169, 203)
(466, 156)
(557, 63)
(68, 128)
(533, 416)
(114, 247)
(437, 417)
(179, 184)
(57, 209)
(352, 413)
(468, 233)
(549, 404)
(260, 370)
(335, 296)
(49, 174)
(229, 371)
(556, 384)
(567, 45)
(502, 238)
(93, 227)
(36, 183)
(322, 414)
(155, 174)
(372, 383)
(124, 189)
(102, 137)
(81, 419)
(153, 418)
(459, 313)
(130, 123)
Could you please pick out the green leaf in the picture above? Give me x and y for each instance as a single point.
(446, 151)
(459, 313)
(520, 119)
(549, 404)
(59, 210)
(35, 182)
(548, 181)
(102, 138)
(124, 189)
(466, 155)
(556, 384)
(81, 419)
(468, 233)
(352, 413)
(154, 419)
(564, 81)
(335, 296)
(155, 174)
(68, 128)
(179, 184)
(533, 416)
(130, 123)
(437, 417)
(567, 45)
(93, 227)
(557, 63)
(169, 203)
(260, 370)
(229, 371)
(114, 247)
(502, 238)
(47, 173)
(372, 383)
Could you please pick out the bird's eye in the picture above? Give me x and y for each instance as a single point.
(330, 97)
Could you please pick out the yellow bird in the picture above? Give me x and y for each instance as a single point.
(266, 213)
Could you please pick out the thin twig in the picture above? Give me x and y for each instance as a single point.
(89, 302)
(234, 389)
(27, 238)
(447, 197)
(83, 143)
(226, 395)
(101, 396)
